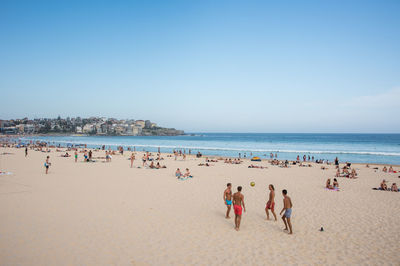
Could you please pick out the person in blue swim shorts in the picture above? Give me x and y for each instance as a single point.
(287, 207)
(228, 199)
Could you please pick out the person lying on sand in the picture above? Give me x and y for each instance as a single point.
(256, 166)
(204, 164)
(159, 166)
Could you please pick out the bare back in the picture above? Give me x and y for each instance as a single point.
(237, 199)
(287, 203)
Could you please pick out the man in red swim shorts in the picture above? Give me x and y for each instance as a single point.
(238, 202)
(271, 202)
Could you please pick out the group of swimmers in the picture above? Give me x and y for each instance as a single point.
(237, 200)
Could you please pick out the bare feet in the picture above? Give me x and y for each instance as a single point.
(227, 217)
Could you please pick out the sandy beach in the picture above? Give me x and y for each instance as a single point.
(110, 214)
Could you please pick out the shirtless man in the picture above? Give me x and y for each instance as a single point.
(287, 207)
(238, 202)
(228, 199)
(271, 202)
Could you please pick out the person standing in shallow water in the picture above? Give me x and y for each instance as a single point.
(287, 207)
(228, 199)
(238, 202)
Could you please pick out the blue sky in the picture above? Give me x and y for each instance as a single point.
(212, 66)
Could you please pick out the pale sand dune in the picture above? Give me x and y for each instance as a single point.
(109, 214)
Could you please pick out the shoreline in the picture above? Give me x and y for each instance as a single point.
(208, 152)
(204, 156)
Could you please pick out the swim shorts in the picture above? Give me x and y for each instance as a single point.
(237, 209)
(270, 206)
(228, 202)
(288, 213)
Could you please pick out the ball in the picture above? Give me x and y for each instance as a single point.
(252, 184)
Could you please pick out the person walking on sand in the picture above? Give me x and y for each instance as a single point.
(238, 202)
(132, 159)
(26, 151)
(271, 202)
(287, 207)
(228, 199)
(47, 164)
(76, 156)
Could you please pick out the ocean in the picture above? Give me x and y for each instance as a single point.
(356, 148)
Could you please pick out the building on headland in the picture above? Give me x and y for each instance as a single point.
(89, 126)
(140, 123)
